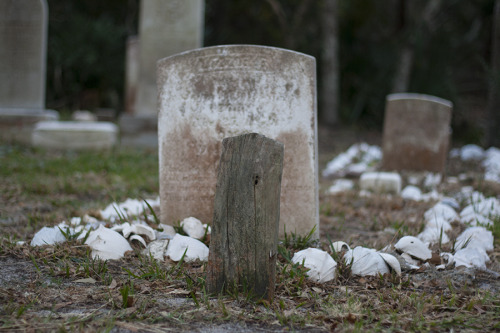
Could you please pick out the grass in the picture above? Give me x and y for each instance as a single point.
(40, 187)
(38, 289)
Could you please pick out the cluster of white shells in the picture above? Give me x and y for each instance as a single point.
(470, 248)
(112, 243)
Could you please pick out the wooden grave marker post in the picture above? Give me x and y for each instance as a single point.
(244, 238)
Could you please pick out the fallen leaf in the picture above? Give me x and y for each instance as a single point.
(130, 310)
(86, 280)
(436, 259)
(350, 318)
(61, 305)
(113, 284)
(317, 290)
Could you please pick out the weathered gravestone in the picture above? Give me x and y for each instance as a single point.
(209, 94)
(166, 27)
(23, 39)
(416, 132)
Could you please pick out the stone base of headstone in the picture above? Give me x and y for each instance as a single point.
(74, 135)
(16, 125)
(138, 131)
(105, 114)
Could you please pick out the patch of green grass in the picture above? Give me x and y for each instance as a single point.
(73, 176)
(495, 229)
(127, 292)
(298, 242)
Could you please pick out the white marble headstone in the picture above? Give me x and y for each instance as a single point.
(209, 94)
(23, 48)
(166, 27)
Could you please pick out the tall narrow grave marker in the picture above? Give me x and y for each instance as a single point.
(244, 242)
(166, 27)
(208, 94)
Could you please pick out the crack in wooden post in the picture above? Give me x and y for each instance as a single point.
(245, 227)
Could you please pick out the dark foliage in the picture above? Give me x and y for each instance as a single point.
(451, 60)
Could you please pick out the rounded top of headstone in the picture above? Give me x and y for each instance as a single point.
(236, 49)
(422, 97)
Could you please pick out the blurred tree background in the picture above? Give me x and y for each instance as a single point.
(438, 47)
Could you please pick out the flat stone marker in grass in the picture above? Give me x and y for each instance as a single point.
(23, 49)
(209, 94)
(75, 135)
(416, 132)
(244, 242)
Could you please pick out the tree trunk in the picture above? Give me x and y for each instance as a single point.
(244, 240)
(493, 136)
(428, 22)
(403, 71)
(330, 63)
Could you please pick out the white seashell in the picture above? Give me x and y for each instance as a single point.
(414, 247)
(342, 164)
(193, 227)
(121, 227)
(366, 261)
(432, 195)
(156, 249)
(471, 257)
(195, 249)
(130, 207)
(432, 180)
(107, 244)
(321, 265)
(127, 230)
(168, 232)
(438, 223)
(341, 185)
(411, 192)
(487, 207)
(138, 238)
(476, 219)
(433, 235)
(413, 263)
(475, 237)
(448, 258)
(491, 165)
(441, 210)
(89, 219)
(75, 221)
(141, 229)
(452, 202)
(391, 261)
(380, 182)
(471, 152)
(340, 246)
(48, 236)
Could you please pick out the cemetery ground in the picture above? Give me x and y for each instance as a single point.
(61, 288)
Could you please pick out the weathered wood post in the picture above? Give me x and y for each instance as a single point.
(244, 238)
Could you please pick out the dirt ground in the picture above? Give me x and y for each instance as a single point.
(60, 288)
